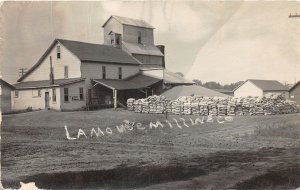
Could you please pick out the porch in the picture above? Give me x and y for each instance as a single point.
(111, 93)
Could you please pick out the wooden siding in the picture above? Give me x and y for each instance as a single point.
(6, 101)
(94, 71)
(130, 34)
(149, 59)
(296, 94)
(26, 99)
(112, 25)
(67, 59)
(73, 92)
(248, 89)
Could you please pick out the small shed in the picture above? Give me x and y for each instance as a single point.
(6, 94)
(260, 88)
(295, 93)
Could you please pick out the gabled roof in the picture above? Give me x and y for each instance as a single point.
(88, 52)
(266, 85)
(46, 83)
(173, 78)
(189, 90)
(138, 81)
(3, 82)
(294, 86)
(129, 21)
(142, 49)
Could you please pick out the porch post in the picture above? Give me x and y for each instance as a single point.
(115, 98)
(146, 93)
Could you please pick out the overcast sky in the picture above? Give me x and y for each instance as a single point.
(209, 41)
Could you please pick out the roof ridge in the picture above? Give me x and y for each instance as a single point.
(60, 39)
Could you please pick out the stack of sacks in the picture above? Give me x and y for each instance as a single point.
(203, 106)
(196, 105)
(231, 106)
(222, 106)
(138, 105)
(212, 107)
(168, 104)
(145, 106)
(130, 102)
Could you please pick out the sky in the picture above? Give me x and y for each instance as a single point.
(209, 41)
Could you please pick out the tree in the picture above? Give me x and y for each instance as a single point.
(198, 82)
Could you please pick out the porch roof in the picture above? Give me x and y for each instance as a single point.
(136, 82)
(46, 83)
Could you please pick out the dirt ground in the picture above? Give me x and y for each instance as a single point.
(249, 152)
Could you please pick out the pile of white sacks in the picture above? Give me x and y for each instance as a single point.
(198, 105)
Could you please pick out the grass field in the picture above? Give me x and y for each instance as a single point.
(245, 153)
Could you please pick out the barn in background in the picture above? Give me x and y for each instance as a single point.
(6, 94)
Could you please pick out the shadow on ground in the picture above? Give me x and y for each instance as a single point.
(118, 178)
(285, 178)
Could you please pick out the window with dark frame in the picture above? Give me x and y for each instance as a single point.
(16, 94)
(120, 72)
(80, 93)
(66, 74)
(117, 39)
(54, 95)
(58, 52)
(66, 94)
(139, 37)
(103, 72)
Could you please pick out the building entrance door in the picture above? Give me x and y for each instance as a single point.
(46, 100)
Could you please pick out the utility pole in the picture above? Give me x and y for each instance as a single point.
(22, 71)
(294, 16)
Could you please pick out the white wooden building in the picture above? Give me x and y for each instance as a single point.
(6, 90)
(295, 92)
(260, 88)
(74, 75)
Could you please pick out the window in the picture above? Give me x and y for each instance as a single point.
(80, 93)
(139, 37)
(36, 93)
(58, 52)
(66, 94)
(103, 72)
(16, 94)
(112, 41)
(66, 72)
(120, 72)
(117, 39)
(54, 95)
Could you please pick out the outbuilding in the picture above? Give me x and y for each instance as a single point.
(6, 93)
(260, 88)
(295, 93)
